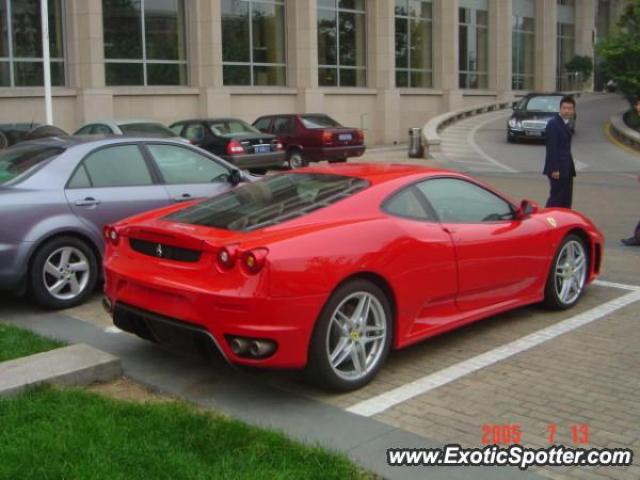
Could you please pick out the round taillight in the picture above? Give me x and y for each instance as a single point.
(226, 258)
(254, 260)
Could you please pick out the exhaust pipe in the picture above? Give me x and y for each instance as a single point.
(239, 346)
(261, 348)
(106, 304)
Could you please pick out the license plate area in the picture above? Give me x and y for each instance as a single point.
(345, 137)
(534, 133)
(261, 148)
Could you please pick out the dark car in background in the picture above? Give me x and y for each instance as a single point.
(56, 195)
(234, 140)
(312, 137)
(531, 114)
(12, 133)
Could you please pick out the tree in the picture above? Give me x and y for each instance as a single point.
(581, 64)
(621, 52)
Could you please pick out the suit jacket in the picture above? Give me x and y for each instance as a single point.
(558, 157)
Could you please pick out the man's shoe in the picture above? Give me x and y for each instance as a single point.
(631, 242)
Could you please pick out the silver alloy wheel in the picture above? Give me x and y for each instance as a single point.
(66, 273)
(295, 160)
(356, 336)
(570, 272)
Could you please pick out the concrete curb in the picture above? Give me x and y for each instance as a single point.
(624, 133)
(68, 366)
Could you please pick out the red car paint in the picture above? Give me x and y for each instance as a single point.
(439, 276)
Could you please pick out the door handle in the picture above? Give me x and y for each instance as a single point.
(184, 197)
(87, 202)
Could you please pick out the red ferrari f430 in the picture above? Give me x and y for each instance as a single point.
(328, 268)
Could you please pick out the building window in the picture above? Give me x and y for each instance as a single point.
(342, 35)
(474, 48)
(414, 62)
(523, 53)
(566, 51)
(144, 42)
(21, 43)
(253, 42)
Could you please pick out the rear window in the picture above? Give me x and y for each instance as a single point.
(19, 160)
(147, 130)
(270, 201)
(544, 104)
(318, 121)
(226, 128)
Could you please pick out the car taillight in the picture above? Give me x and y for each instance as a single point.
(279, 146)
(234, 147)
(360, 135)
(327, 137)
(226, 258)
(253, 260)
(111, 235)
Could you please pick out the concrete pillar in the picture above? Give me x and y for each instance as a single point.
(205, 19)
(546, 45)
(381, 70)
(302, 54)
(85, 60)
(585, 32)
(446, 45)
(500, 48)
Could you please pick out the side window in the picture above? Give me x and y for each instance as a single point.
(263, 124)
(460, 201)
(406, 204)
(181, 165)
(86, 130)
(101, 130)
(117, 166)
(80, 179)
(283, 125)
(194, 133)
(177, 129)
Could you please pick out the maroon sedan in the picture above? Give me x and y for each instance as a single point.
(313, 137)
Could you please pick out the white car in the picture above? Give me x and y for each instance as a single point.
(136, 128)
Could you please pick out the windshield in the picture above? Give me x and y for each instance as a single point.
(229, 128)
(19, 160)
(544, 104)
(318, 121)
(147, 129)
(270, 201)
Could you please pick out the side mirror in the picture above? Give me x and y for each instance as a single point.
(527, 208)
(235, 177)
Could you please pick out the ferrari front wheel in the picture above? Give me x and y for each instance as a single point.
(568, 275)
(352, 337)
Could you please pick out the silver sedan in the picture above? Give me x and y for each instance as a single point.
(56, 195)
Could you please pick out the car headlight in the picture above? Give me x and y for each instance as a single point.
(514, 122)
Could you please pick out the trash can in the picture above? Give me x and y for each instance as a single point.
(415, 143)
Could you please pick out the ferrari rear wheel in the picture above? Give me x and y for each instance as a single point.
(352, 337)
(568, 274)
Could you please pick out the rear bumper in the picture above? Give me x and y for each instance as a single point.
(215, 312)
(257, 160)
(13, 264)
(334, 153)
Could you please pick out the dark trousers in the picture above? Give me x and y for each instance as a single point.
(637, 231)
(561, 192)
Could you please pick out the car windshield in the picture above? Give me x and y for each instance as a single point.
(20, 159)
(229, 128)
(544, 104)
(147, 130)
(318, 121)
(270, 201)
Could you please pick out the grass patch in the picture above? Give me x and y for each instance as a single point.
(16, 343)
(55, 434)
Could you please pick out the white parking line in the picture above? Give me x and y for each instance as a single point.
(380, 403)
(112, 330)
(471, 141)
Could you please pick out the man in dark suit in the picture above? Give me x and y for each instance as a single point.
(558, 164)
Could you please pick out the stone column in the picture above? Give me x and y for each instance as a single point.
(585, 32)
(385, 124)
(205, 20)
(500, 48)
(302, 54)
(446, 48)
(85, 60)
(546, 45)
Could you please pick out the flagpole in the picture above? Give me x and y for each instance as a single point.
(46, 61)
